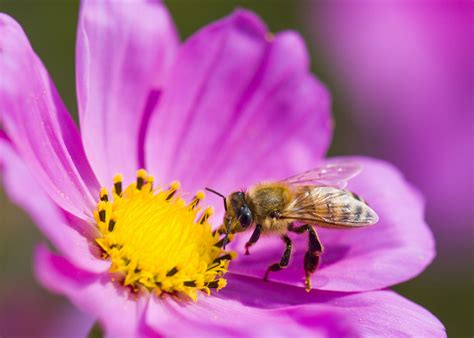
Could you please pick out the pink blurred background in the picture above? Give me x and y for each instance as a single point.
(405, 70)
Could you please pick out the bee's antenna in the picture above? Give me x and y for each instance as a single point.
(215, 192)
(228, 223)
(218, 194)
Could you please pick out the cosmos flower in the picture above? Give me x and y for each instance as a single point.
(406, 69)
(231, 106)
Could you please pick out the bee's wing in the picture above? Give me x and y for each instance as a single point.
(329, 207)
(335, 174)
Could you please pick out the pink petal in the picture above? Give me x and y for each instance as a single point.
(115, 307)
(122, 315)
(367, 314)
(124, 51)
(220, 317)
(67, 234)
(238, 101)
(384, 313)
(245, 307)
(394, 250)
(39, 126)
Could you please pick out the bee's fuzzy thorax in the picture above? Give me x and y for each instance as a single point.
(267, 198)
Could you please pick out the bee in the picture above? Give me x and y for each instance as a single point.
(315, 198)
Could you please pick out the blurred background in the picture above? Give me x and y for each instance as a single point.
(401, 78)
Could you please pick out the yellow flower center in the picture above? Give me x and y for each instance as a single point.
(155, 240)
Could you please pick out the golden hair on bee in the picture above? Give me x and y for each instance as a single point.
(315, 198)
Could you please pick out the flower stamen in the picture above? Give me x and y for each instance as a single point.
(157, 241)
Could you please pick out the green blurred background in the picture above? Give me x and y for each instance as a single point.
(445, 288)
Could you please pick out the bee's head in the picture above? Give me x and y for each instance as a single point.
(238, 214)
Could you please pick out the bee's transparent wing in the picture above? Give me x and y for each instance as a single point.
(335, 174)
(330, 207)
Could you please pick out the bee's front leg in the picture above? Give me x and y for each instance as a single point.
(253, 239)
(285, 259)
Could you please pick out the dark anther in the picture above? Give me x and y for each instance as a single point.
(213, 284)
(219, 259)
(170, 196)
(213, 266)
(126, 260)
(140, 182)
(118, 188)
(190, 283)
(172, 272)
(104, 198)
(137, 270)
(102, 215)
(204, 218)
(111, 225)
(195, 203)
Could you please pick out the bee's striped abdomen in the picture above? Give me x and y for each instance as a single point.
(354, 195)
(330, 206)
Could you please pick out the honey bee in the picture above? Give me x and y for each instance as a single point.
(299, 203)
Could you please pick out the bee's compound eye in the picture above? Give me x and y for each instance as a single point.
(245, 217)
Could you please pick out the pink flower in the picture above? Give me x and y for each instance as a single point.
(406, 71)
(231, 106)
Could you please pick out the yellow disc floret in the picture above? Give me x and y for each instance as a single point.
(155, 240)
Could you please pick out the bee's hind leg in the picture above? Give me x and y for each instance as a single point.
(312, 257)
(285, 259)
